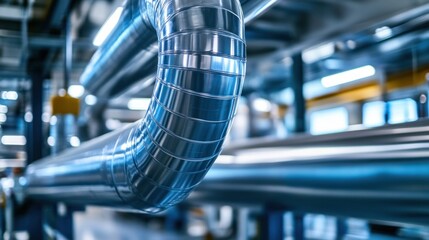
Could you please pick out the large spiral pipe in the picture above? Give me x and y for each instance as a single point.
(157, 161)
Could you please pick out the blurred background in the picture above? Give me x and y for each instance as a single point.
(325, 80)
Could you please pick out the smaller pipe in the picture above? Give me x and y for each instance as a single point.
(412, 132)
(68, 52)
(27, 5)
(113, 69)
(253, 9)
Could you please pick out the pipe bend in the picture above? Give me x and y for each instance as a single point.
(200, 72)
(157, 161)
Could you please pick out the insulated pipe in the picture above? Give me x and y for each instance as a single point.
(129, 55)
(156, 162)
(411, 132)
(380, 183)
(133, 34)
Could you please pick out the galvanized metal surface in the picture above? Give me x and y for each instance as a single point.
(156, 162)
(379, 174)
(130, 55)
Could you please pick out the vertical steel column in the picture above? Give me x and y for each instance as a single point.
(298, 90)
(274, 220)
(300, 125)
(35, 128)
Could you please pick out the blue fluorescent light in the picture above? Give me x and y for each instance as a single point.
(317, 53)
(348, 76)
(17, 140)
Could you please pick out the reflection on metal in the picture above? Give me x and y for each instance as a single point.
(156, 162)
(252, 8)
(133, 34)
(117, 64)
(363, 178)
(413, 132)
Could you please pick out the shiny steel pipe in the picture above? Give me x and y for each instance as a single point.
(411, 132)
(129, 55)
(133, 34)
(379, 183)
(156, 162)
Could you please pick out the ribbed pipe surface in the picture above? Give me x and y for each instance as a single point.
(156, 162)
(129, 56)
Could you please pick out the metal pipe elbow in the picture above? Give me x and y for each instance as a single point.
(200, 73)
(157, 161)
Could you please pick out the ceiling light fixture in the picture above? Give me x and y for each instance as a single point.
(15, 140)
(348, 76)
(9, 95)
(317, 53)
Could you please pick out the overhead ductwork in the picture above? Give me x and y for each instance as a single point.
(157, 161)
(119, 64)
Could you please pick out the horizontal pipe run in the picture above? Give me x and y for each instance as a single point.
(380, 183)
(411, 132)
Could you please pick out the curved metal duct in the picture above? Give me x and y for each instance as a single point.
(117, 65)
(156, 162)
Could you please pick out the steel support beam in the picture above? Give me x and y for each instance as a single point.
(35, 128)
(298, 90)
